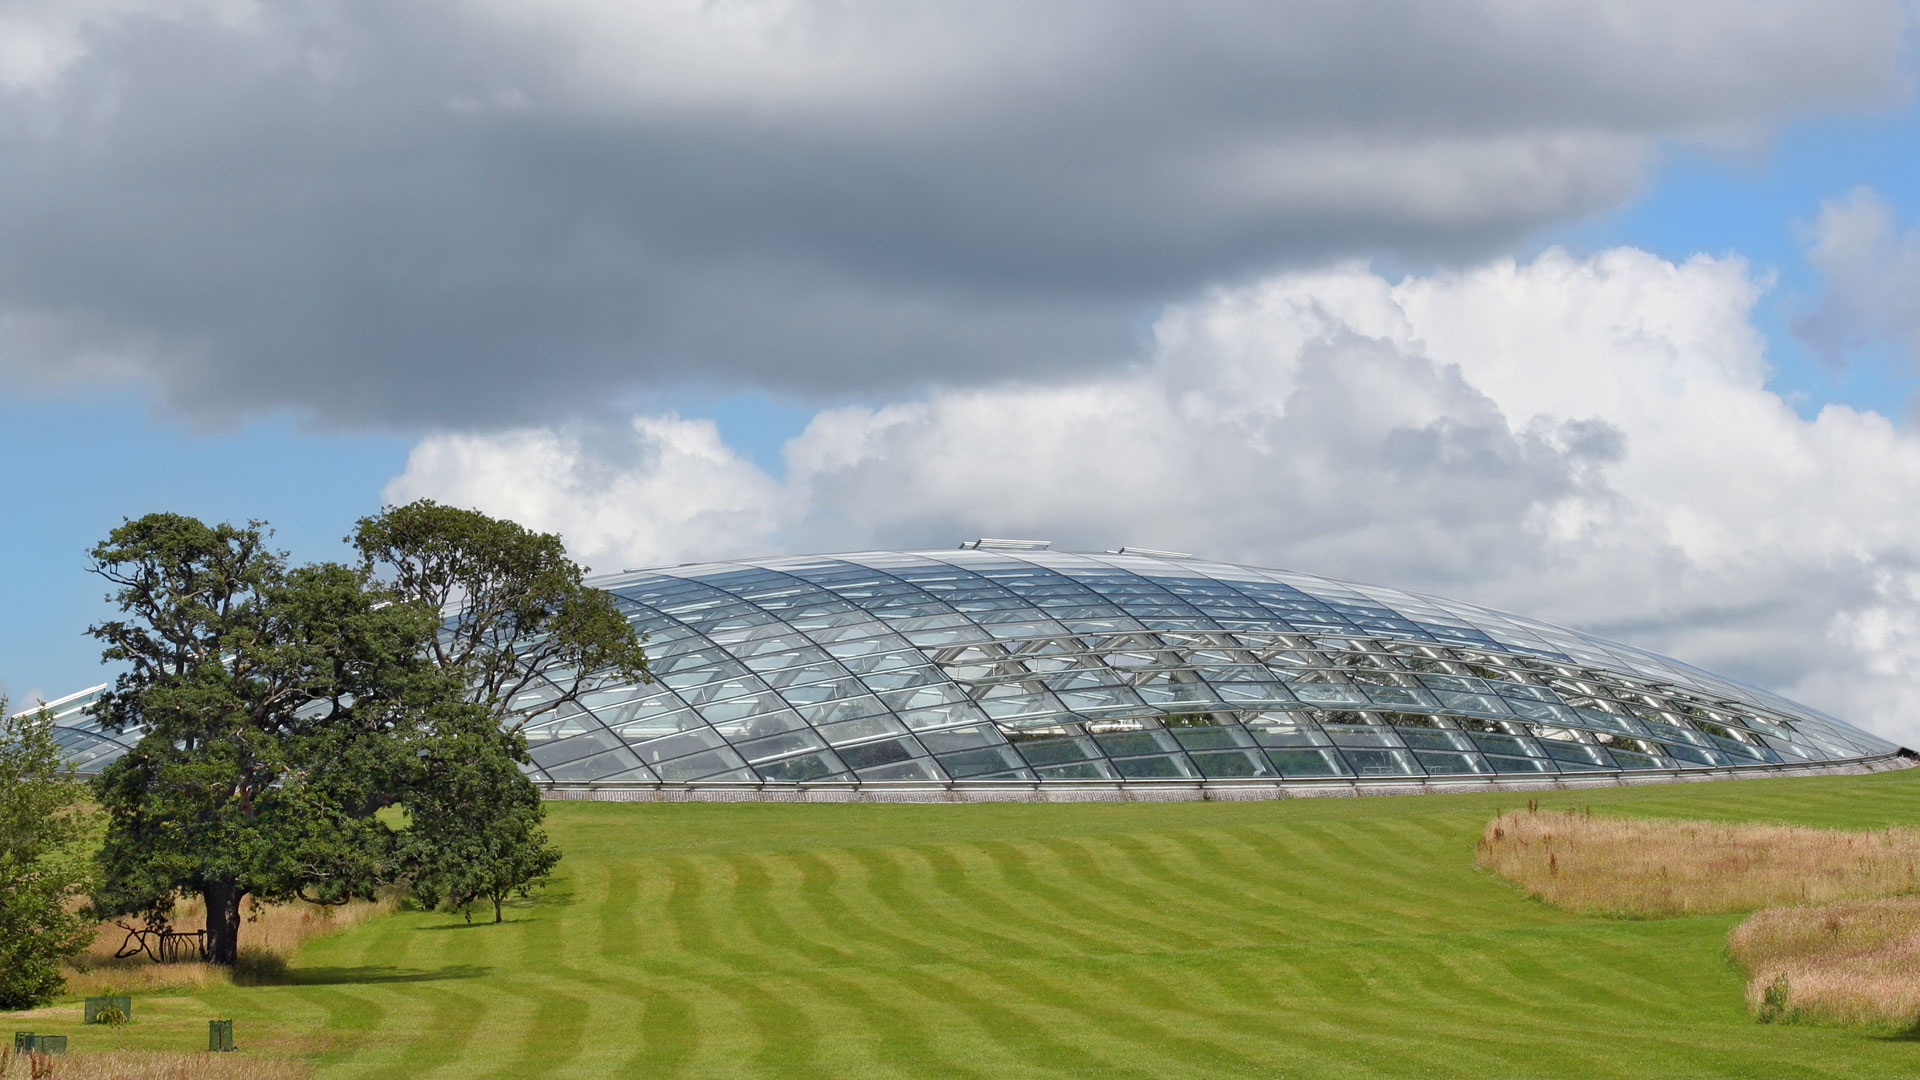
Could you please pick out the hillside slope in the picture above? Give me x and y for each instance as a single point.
(1310, 938)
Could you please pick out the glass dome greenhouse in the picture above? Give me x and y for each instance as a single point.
(1004, 663)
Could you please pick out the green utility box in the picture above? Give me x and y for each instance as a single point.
(219, 1035)
(26, 1042)
(95, 1006)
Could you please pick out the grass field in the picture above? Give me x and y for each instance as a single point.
(1325, 937)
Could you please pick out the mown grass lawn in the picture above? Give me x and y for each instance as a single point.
(1310, 938)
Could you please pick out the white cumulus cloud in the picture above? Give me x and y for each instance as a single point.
(1588, 440)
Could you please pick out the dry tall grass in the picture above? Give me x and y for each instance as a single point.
(267, 942)
(1655, 869)
(158, 1065)
(1847, 962)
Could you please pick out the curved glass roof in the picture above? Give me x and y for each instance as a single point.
(1006, 663)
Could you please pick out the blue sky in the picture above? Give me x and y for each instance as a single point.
(254, 285)
(72, 484)
(1758, 205)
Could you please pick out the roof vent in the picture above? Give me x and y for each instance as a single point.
(988, 543)
(1155, 553)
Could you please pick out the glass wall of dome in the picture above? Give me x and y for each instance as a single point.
(1015, 663)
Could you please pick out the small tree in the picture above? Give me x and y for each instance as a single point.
(275, 708)
(44, 865)
(524, 635)
(475, 820)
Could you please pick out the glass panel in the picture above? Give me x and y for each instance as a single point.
(788, 677)
(773, 746)
(883, 660)
(549, 754)
(1089, 701)
(740, 708)
(903, 678)
(1432, 739)
(1440, 763)
(673, 746)
(1381, 762)
(984, 760)
(1307, 762)
(1165, 694)
(925, 697)
(875, 754)
(966, 738)
(1506, 744)
(1400, 697)
(815, 693)
(1518, 764)
(699, 766)
(918, 769)
(799, 770)
(848, 709)
(1348, 735)
(1334, 694)
(1270, 693)
(1630, 759)
(1212, 738)
(1686, 754)
(654, 727)
(755, 727)
(1083, 770)
(598, 767)
(1228, 764)
(1576, 754)
(1134, 742)
(945, 716)
(1056, 751)
(866, 727)
(1167, 767)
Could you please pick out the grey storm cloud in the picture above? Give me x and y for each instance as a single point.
(417, 214)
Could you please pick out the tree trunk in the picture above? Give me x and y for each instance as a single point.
(496, 908)
(223, 923)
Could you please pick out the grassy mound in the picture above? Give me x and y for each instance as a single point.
(1313, 938)
(1655, 869)
(1847, 962)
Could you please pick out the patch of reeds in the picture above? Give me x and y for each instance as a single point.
(268, 939)
(151, 1065)
(1644, 868)
(1854, 962)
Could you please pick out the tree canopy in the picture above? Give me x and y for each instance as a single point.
(525, 636)
(44, 868)
(280, 708)
(275, 707)
(521, 625)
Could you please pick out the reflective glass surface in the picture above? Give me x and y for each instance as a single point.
(1055, 667)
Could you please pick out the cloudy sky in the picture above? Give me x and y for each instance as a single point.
(1604, 313)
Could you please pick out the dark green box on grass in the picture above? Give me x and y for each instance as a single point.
(219, 1035)
(26, 1042)
(96, 1005)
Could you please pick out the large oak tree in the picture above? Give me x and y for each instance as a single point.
(276, 707)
